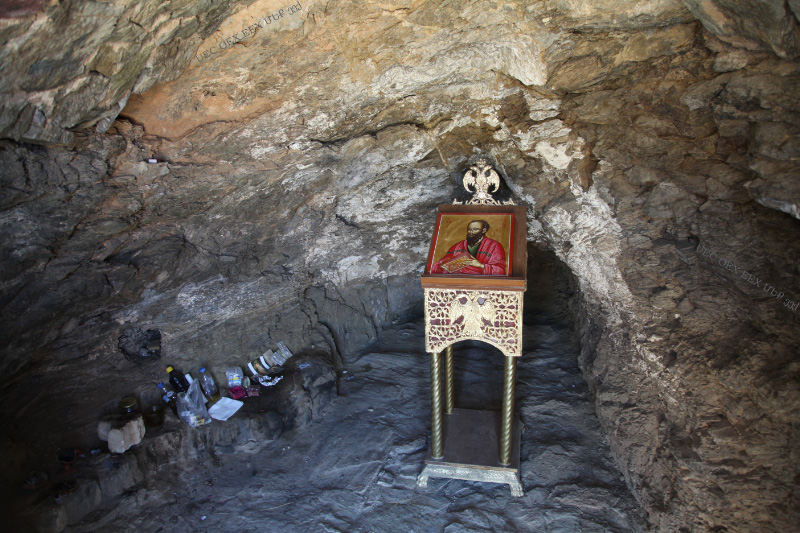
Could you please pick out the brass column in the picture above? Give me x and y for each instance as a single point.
(509, 379)
(449, 395)
(437, 442)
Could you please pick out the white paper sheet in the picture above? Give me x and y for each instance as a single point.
(224, 408)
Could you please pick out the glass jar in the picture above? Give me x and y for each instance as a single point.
(129, 405)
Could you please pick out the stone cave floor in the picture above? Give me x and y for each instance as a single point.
(356, 468)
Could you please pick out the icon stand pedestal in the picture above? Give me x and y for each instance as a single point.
(468, 444)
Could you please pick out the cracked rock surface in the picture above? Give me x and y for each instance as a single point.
(356, 468)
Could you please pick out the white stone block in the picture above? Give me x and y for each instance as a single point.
(130, 434)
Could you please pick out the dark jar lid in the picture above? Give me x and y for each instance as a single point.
(128, 404)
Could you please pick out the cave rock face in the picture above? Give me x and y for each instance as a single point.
(233, 174)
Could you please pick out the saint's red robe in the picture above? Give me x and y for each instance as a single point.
(490, 253)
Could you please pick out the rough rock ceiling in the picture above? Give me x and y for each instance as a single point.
(74, 64)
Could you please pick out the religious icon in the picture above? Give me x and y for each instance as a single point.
(472, 244)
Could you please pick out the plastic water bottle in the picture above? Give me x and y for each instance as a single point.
(169, 398)
(209, 387)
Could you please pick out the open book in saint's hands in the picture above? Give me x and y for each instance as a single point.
(457, 263)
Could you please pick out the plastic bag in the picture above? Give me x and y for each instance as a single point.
(192, 406)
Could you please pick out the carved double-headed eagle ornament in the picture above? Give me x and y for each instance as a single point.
(478, 311)
(478, 180)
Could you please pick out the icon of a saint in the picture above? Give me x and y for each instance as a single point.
(477, 254)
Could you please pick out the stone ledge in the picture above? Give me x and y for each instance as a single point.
(105, 476)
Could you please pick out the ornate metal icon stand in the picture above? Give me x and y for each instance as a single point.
(475, 445)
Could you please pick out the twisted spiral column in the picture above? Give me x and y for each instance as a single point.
(449, 393)
(437, 442)
(509, 380)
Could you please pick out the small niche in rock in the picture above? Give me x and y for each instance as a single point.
(140, 346)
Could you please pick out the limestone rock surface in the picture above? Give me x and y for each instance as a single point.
(71, 65)
(300, 156)
(755, 25)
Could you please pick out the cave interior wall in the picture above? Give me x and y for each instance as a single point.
(298, 167)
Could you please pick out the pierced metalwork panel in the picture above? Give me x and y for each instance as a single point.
(491, 316)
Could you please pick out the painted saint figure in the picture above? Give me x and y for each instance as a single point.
(477, 254)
